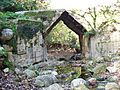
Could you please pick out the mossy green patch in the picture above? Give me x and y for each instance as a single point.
(68, 69)
(27, 29)
(43, 15)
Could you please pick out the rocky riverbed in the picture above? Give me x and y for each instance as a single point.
(63, 75)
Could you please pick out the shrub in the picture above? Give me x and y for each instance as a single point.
(6, 62)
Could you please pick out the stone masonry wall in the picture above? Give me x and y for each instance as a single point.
(104, 44)
(29, 52)
(30, 43)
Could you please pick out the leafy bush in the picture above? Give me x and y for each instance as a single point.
(3, 52)
(10, 5)
(20, 5)
(61, 34)
(9, 20)
(6, 62)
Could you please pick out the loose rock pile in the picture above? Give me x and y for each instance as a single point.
(45, 76)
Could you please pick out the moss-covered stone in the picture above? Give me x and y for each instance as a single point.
(41, 15)
(99, 69)
(68, 69)
(27, 29)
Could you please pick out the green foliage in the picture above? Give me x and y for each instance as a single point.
(77, 71)
(3, 52)
(6, 4)
(10, 5)
(20, 5)
(64, 69)
(90, 33)
(8, 15)
(32, 4)
(28, 4)
(9, 20)
(6, 62)
(62, 35)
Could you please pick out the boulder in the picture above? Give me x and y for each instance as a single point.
(54, 87)
(81, 87)
(33, 67)
(29, 73)
(92, 83)
(77, 83)
(117, 64)
(101, 85)
(18, 71)
(7, 34)
(111, 69)
(45, 80)
(113, 79)
(115, 67)
(112, 86)
(48, 72)
(6, 70)
(99, 69)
